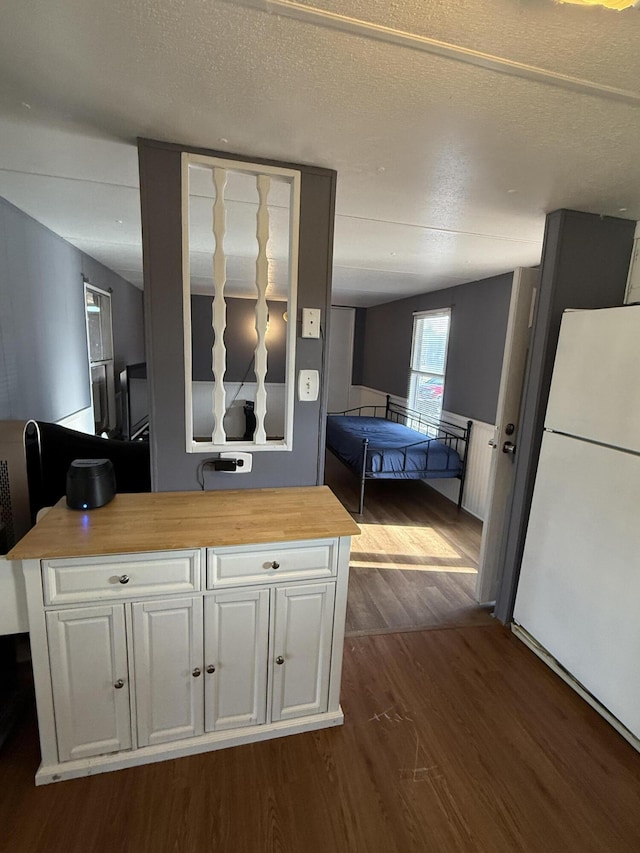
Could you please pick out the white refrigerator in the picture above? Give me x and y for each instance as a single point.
(579, 590)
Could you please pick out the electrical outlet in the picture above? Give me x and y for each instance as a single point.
(243, 462)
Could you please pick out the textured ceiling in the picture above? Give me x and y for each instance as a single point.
(454, 126)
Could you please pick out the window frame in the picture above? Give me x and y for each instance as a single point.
(107, 364)
(415, 373)
(219, 440)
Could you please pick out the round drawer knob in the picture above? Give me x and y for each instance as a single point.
(119, 684)
(279, 660)
(124, 578)
(211, 669)
(275, 565)
(196, 672)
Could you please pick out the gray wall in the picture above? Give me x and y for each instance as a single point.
(240, 345)
(585, 261)
(172, 467)
(43, 345)
(479, 313)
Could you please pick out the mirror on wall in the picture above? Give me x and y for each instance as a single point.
(97, 304)
(240, 259)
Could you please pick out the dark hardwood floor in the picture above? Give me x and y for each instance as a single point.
(414, 566)
(454, 740)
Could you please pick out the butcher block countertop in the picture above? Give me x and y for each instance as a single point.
(165, 521)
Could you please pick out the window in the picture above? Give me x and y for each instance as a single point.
(428, 361)
(100, 344)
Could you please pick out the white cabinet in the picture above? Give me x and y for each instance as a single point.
(104, 578)
(236, 651)
(216, 662)
(241, 657)
(90, 680)
(282, 561)
(147, 656)
(302, 649)
(167, 650)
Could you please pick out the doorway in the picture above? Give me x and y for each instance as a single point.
(416, 564)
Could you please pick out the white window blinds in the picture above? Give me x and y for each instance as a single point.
(428, 361)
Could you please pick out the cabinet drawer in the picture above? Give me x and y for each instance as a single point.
(121, 576)
(273, 562)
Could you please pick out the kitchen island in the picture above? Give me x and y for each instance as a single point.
(172, 623)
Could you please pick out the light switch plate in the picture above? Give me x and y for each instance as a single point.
(308, 385)
(310, 322)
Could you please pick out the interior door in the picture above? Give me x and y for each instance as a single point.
(506, 432)
(340, 358)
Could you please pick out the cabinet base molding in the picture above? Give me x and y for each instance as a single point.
(179, 749)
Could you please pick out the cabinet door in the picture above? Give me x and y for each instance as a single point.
(236, 647)
(301, 652)
(167, 652)
(90, 679)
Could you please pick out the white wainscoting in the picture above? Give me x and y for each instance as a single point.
(236, 394)
(81, 421)
(360, 395)
(476, 484)
(478, 464)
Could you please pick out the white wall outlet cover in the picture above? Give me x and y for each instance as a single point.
(310, 322)
(243, 462)
(308, 385)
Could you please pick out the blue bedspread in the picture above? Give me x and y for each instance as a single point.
(394, 449)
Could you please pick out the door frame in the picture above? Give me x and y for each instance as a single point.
(524, 290)
(350, 344)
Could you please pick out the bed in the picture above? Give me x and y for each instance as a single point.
(393, 442)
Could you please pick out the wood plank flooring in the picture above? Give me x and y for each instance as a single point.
(455, 740)
(458, 739)
(414, 566)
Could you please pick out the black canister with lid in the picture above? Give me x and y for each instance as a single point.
(90, 483)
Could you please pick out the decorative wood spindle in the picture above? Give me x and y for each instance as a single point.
(219, 307)
(263, 183)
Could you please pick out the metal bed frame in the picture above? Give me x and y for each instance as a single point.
(452, 435)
